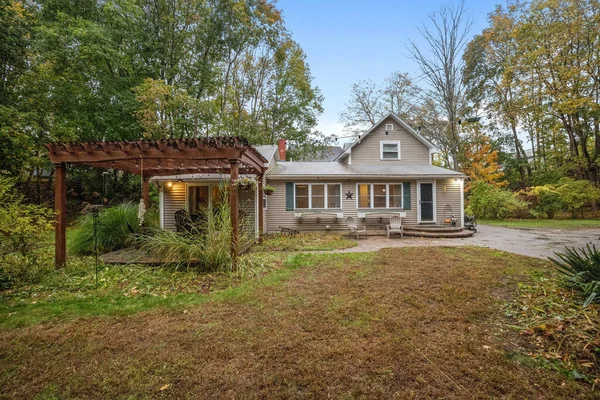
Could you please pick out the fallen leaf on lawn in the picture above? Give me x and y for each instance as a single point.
(163, 387)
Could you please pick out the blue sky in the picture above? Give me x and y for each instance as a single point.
(346, 41)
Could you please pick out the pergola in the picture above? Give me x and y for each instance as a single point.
(148, 158)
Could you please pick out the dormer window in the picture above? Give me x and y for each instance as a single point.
(390, 149)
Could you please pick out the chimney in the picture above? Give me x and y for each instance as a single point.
(281, 147)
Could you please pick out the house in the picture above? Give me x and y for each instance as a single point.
(387, 171)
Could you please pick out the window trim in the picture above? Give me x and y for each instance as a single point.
(325, 195)
(382, 142)
(387, 127)
(387, 196)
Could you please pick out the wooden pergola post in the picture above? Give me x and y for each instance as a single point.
(233, 204)
(261, 209)
(60, 206)
(145, 192)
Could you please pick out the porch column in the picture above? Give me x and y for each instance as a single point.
(60, 206)
(261, 209)
(145, 192)
(233, 204)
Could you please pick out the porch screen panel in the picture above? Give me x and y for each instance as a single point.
(426, 202)
(301, 196)
(395, 196)
(334, 196)
(317, 196)
(364, 196)
(198, 196)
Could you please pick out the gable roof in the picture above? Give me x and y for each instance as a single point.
(328, 153)
(267, 151)
(400, 122)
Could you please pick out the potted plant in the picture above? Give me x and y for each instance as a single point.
(245, 183)
(269, 190)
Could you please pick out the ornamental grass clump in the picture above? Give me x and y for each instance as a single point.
(115, 226)
(207, 247)
(581, 269)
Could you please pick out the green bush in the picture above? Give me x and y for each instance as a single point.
(24, 232)
(115, 226)
(581, 270)
(487, 201)
(545, 201)
(575, 195)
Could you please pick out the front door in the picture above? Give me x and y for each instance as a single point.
(426, 193)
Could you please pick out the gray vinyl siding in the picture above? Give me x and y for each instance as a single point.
(412, 151)
(174, 199)
(448, 201)
(277, 215)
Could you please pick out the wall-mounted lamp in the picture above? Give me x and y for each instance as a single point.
(169, 184)
(386, 133)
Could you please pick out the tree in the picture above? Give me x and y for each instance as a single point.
(480, 161)
(369, 102)
(442, 67)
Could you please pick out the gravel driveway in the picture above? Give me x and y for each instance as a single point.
(539, 243)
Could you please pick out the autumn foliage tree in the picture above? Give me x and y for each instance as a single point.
(480, 162)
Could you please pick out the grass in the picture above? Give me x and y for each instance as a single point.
(404, 323)
(73, 292)
(544, 223)
(305, 242)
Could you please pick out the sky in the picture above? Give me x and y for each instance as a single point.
(351, 40)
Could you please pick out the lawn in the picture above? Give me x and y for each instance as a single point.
(403, 323)
(305, 241)
(543, 223)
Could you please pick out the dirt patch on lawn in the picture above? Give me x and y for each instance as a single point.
(400, 323)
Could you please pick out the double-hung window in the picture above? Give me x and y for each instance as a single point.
(379, 195)
(318, 195)
(389, 149)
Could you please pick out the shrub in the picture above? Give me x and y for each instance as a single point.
(545, 200)
(575, 195)
(581, 270)
(24, 231)
(115, 225)
(486, 201)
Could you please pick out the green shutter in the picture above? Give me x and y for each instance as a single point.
(289, 196)
(406, 195)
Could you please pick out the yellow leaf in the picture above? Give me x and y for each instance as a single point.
(163, 387)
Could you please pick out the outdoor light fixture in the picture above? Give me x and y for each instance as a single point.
(169, 184)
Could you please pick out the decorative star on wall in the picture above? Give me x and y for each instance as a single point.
(349, 195)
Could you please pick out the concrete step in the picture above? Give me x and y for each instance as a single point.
(438, 234)
(434, 229)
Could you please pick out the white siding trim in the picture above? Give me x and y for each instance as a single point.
(462, 203)
(161, 209)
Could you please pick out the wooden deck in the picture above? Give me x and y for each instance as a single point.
(131, 256)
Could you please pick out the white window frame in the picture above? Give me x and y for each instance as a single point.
(325, 196)
(381, 143)
(387, 196)
(389, 127)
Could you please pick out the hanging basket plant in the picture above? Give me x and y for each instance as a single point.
(246, 183)
(269, 190)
